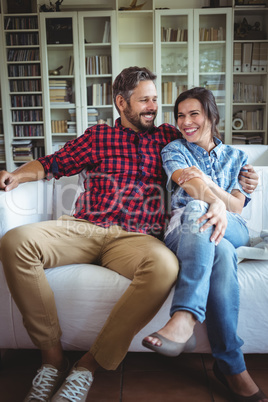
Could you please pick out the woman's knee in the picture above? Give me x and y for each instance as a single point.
(194, 210)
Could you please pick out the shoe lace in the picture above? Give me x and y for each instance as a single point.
(43, 382)
(75, 385)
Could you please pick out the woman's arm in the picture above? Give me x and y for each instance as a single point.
(30, 171)
(197, 188)
(234, 202)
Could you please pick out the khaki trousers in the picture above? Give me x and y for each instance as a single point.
(152, 267)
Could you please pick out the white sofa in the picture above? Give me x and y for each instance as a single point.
(85, 294)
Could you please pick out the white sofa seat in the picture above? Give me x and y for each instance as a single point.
(86, 293)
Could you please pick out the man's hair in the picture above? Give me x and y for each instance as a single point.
(127, 81)
(207, 100)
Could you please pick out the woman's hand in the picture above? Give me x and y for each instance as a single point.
(191, 173)
(248, 179)
(216, 216)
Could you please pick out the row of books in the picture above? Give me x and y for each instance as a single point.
(217, 86)
(99, 94)
(168, 117)
(27, 115)
(174, 35)
(250, 57)
(59, 126)
(248, 93)
(106, 32)
(24, 150)
(25, 85)
(24, 70)
(98, 64)
(22, 39)
(211, 34)
(2, 150)
(252, 120)
(23, 55)
(247, 138)
(26, 100)
(28, 130)
(21, 23)
(71, 65)
(60, 90)
(170, 91)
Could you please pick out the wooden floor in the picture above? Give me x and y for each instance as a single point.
(142, 377)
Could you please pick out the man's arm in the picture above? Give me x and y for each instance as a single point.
(30, 171)
(248, 179)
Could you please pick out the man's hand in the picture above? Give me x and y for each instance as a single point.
(216, 216)
(7, 181)
(248, 179)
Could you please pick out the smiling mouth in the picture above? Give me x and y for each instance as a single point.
(148, 116)
(190, 131)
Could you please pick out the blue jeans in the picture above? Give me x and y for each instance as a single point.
(207, 284)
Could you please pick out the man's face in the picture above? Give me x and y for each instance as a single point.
(141, 111)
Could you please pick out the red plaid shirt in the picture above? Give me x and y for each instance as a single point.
(125, 182)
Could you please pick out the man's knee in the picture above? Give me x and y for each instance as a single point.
(13, 241)
(163, 264)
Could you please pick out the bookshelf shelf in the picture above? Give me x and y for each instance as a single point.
(24, 87)
(193, 59)
(180, 44)
(250, 52)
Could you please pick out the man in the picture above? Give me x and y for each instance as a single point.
(116, 224)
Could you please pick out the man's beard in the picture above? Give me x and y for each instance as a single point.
(135, 119)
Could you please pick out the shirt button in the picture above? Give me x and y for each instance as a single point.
(204, 152)
(208, 166)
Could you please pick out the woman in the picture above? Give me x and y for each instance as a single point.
(204, 231)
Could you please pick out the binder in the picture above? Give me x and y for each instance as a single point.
(237, 57)
(263, 57)
(255, 62)
(246, 57)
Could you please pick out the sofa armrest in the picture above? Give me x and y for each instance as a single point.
(28, 203)
(256, 212)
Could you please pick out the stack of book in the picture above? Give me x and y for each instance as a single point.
(92, 116)
(59, 91)
(22, 150)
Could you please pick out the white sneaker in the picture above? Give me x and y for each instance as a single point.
(45, 383)
(75, 387)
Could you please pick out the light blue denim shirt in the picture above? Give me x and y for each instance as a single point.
(222, 165)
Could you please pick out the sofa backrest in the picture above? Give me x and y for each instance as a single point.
(67, 189)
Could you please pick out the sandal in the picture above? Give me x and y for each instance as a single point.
(170, 348)
(258, 396)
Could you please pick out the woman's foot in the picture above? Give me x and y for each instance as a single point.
(241, 385)
(178, 329)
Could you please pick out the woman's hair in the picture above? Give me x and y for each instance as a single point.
(127, 81)
(207, 100)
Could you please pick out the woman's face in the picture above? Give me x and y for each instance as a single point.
(194, 124)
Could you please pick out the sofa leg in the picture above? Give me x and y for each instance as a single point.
(2, 352)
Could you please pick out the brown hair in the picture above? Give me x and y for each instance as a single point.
(127, 81)
(207, 100)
